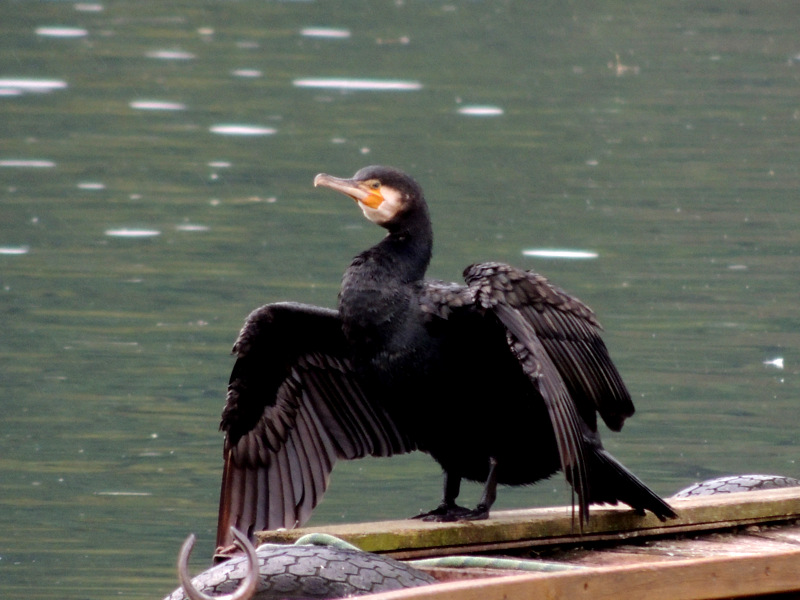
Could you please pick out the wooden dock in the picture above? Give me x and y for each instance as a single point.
(743, 545)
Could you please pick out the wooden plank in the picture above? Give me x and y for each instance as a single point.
(755, 540)
(789, 535)
(706, 578)
(553, 526)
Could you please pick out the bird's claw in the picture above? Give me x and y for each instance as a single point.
(447, 513)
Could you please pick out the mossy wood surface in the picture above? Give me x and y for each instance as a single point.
(543, 527)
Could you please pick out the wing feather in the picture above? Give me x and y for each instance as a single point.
(556, 339)
(564, 416)
(262, 487)
(305, 489)
(318, 449)
(295, 405)
(570, 334)
(275, 512)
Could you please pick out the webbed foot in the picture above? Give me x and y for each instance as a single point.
(447, 513)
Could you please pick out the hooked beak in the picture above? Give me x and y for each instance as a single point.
(357, 190)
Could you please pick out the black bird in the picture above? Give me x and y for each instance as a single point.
(499, 380)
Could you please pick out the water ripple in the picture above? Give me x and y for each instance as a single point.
(91, 185)
(481, 111)
(13, 250)
(251, 73)
(61, 32)
(125, 232)
(191, 227)
(325, 32)
(156, 105)
(247, 130)
(559, 253)
(89, 7)
(170, 55)
(11, 86)
(27, 163)
(357, 84)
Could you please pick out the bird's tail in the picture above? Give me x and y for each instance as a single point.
(610, 482)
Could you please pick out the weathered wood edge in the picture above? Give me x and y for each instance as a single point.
(557, 525)
(687, 579)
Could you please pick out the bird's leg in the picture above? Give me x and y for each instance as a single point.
(489, 494)
(448, 510)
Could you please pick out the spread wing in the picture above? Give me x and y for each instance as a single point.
(556, 339)
(568, 330)
(294, 406)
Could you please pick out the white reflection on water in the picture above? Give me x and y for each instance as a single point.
(170, 55)
(558, 253)
(91, 185)
(242, 130)
(125, 232)
(325, 32)
(61, 32)
(156, 105)
(13, 250)
(357, 84)
(191, 227)
(11, 86)
(88, 7)
(481, 111)
(26, 163)
(246, 73)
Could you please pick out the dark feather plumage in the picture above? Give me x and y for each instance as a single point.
(294, 407)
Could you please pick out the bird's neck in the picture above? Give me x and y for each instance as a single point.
(379, 305)
(381, 280)
(378, 302)
(403, 255)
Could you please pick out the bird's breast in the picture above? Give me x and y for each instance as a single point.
(387, 331)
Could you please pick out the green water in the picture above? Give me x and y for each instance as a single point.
(663, 137)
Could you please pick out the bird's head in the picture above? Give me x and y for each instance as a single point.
(385, 195)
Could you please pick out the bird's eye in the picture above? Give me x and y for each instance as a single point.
(375, 185)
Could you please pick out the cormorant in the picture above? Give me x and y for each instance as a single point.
(499, 380)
